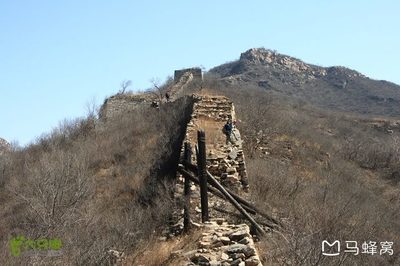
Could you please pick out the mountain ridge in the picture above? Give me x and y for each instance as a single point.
(336, 88)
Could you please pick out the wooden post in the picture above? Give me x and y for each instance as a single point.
(186, 210)
(211, 189)
(245, 204)
(202, 173)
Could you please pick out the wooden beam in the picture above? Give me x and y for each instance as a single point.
(241, 200)
(237, 205)
(213, 190)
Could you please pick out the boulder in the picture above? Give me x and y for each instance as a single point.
(199, 258)
(239, 235)
(240, 248)
(252, 261)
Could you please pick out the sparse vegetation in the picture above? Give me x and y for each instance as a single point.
(323, 174)
(94, 187)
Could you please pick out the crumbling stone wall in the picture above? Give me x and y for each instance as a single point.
(120, 103)
(225, 161)
(177, 90)
(195, 71)
(222, 242)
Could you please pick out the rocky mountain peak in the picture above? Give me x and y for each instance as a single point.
(275, 61)
(258, 55)
(262, 56)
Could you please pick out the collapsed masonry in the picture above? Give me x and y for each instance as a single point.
(181, 82)
(221, 243)
(195, 72)
(124, 102)
(224, 160)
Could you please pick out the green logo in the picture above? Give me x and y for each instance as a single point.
(21, 244)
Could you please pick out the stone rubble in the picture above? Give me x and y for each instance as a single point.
(224, 244)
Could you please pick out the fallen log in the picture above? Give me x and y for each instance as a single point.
(236, 204)
(213, 190)
(193, 168)
(241, 200)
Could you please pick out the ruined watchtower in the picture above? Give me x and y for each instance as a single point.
(195, 71)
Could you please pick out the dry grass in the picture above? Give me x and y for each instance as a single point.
(325, 175)
(94, 190)
(156, 253)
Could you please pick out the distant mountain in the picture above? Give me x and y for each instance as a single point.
(336, 88)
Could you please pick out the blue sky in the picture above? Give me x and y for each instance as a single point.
(55, 56)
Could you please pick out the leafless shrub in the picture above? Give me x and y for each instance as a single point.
(321, 178)
(95, 190)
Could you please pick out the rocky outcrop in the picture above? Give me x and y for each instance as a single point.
(272, 58)
(384, 125)
(283, 62)
(267, 67)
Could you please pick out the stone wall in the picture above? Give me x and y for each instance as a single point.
(122, 103)
(177, 90)
(195, 71)
(224, 160)
(222, 242)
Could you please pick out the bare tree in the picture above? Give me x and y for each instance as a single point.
(156, 89)
(124, 85)
(92, 109)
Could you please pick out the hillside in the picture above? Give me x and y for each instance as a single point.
(316, 157)
(335, 88)
(328, 175)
